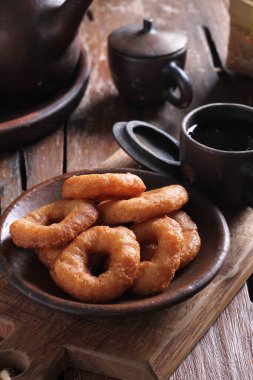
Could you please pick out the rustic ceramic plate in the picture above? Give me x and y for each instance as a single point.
(23, 270)
(23, 123)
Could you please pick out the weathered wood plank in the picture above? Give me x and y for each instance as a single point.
(90, 140)
(44, 159)
(72, 374)
(224, 352)
(10, 179)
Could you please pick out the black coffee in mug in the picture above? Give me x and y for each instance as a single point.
(216, 152)
(224, 134)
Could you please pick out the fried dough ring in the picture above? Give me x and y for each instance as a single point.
(192, 240)
(70, 270)
(103, 186)
(155, 275)
(47, 256)
(53, 225)
(149, 205)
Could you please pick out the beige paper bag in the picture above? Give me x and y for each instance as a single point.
(240, 50)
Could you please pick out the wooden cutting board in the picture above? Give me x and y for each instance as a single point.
(152, 345)
(43, 342)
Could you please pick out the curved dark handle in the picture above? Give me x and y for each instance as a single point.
(154, 142)
(174, 73)
(149, 146)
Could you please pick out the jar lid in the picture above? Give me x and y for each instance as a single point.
(145, 41)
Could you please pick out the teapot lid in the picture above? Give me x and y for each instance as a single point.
(145, 41)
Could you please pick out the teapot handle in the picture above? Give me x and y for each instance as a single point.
(174, 73)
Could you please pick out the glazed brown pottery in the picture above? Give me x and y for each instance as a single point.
(24, 271)
(39, 45)
(24, 122)
(227, 176)
(147, 65)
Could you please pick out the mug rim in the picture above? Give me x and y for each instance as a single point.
(206, 147)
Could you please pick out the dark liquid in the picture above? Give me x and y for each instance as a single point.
(224, 134)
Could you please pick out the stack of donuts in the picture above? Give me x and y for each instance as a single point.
(110, 236)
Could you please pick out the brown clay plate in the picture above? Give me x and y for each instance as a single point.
(23, 270)
(23, 123)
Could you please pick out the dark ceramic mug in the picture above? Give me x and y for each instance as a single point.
(142, 81)
(147, 65)
(226, 176)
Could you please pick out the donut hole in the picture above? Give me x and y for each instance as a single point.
(98, 263)
(148, 251)
(51, 219)
(51, 213)
(46, 220)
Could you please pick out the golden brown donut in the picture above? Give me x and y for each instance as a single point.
(149, 205)
(103, 186)
(155, 275)
(70, 270)
(192, 240)
(53, 225)
(48, 255)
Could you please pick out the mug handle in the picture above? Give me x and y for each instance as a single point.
(149, 146)
(154, 143)
(174, 72)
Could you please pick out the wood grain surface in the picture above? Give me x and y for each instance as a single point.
(150, 346)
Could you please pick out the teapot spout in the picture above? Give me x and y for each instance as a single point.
(64, 23)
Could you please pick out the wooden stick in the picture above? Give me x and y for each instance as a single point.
(119, 159)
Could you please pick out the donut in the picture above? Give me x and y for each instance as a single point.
(149, 205)
(70, 270)
(154, 275)
(54, 224)
(192, 241)
(191, 244)
(47, 256)
(103, 186)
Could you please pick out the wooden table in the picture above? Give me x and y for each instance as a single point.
(86, 141)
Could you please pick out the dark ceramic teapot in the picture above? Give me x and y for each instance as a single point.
(39, 45)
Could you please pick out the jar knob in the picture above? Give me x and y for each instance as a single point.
(147, 25)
